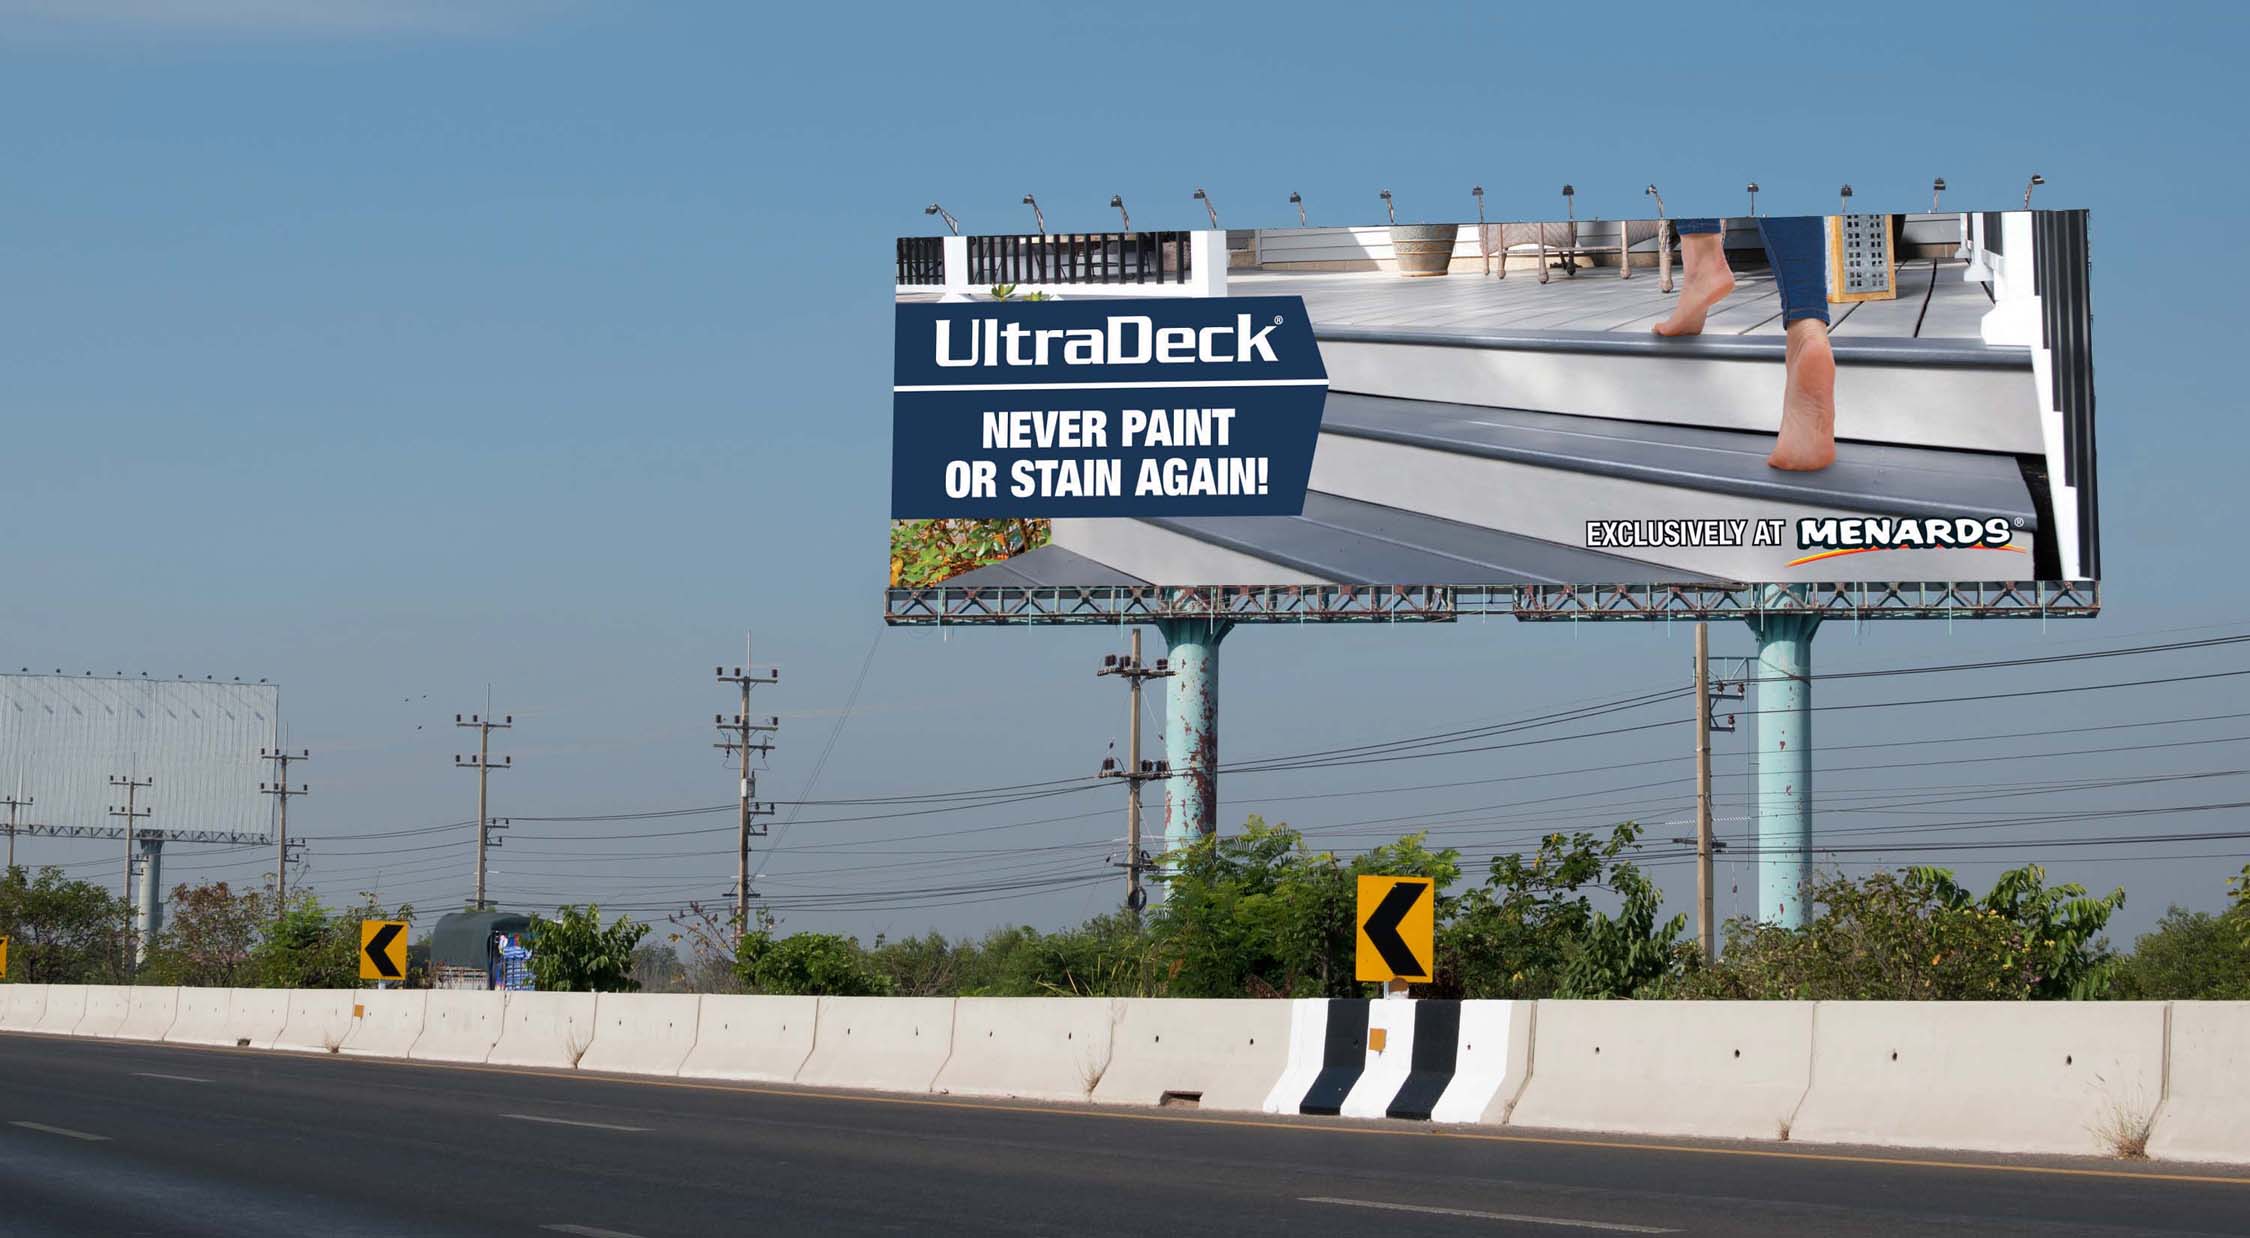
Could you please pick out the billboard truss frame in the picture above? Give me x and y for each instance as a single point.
(1056, 605)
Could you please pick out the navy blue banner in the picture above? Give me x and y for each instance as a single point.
(1171, 406)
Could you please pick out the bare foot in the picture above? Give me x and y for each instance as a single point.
(1807, 442)
(1708, 282)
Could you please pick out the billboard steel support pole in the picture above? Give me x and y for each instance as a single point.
(1781, 806)
(1191, 729)
(149, 915)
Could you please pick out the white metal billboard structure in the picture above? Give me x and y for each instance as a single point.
(63, 737)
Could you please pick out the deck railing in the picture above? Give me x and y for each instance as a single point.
(921, 261)
(1080, 258)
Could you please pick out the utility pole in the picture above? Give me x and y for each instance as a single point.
(738, 743)
(482, 764)
(13, 802)
(282, 793)
(1703, 929)
(1136, 771)
(1706, 693)
(130, 812)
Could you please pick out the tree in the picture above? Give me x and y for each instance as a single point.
(1533, 931)
(62, 931)
(1917, 935)
(1259, 914)
(657, 968)
(310, 947)
(209, 939)
(819, 964)
(573, 953)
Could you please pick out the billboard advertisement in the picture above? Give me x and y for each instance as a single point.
(1789, 400)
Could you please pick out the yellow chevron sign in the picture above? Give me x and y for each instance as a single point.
(382, 949)
(1397, 929)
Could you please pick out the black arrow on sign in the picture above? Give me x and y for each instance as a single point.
(378, 950)
(1382, 928)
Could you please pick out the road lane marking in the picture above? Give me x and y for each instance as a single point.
(64, 1131)
(1616, 1227)
(597, 1126)
(151, 1074)
(588, 1231)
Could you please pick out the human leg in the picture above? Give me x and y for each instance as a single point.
(1703, 250)
(1797, 248)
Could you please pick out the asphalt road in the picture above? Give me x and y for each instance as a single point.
(103, 1138)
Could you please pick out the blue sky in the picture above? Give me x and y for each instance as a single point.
(398, 349)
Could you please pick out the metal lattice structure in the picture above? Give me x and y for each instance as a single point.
(1119, 604)
(116, 833)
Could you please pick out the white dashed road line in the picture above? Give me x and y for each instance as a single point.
(1615, 1227)
(597, 1126)
(64, 1131)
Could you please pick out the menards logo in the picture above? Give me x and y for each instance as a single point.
(1832, 537)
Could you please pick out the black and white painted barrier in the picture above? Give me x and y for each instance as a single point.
(1443, 1061)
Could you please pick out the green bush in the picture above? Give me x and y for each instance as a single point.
(816, 964)
(574, 953)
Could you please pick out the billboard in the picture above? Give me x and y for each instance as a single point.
(63, 737)
(1783, 400)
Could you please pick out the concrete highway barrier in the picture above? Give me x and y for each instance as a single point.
(460, 1025)
(1038, 1048)
(1493, 1063)
(2056, 1077)
(202, 1019)
(66, 1005)
(21, 1005)
(319, 1020)
(1735, 1070)
(552, 1030)
(2207, 1116)
(751, 1039)
(642, 1033)
(386, 1022)
(255, 1017)
(1306, 1059)
(1210, 1053)
(894, 1044)
(107, 1005)
(149, 1013)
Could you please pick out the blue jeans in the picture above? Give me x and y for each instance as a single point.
(1797, 250)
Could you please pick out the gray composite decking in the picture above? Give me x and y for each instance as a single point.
(1934, 301)
(1048, 565)
(1351, 542)
(1867, 477)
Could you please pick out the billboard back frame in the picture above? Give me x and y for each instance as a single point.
(1066, 605)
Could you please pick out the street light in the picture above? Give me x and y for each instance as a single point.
(1205, 199)
(1570, 204)
(1118, 200)
(1477, 192)
(1846, 191)
(1936, 187)
(939, 211)
(1038, 216)
(1387, 208)
(1651, 192)
(2036, 181)
(1753, 187)
(1297, 200)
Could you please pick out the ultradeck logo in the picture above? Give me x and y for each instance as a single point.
(1125, 339)
(1830, 537)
